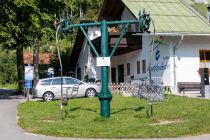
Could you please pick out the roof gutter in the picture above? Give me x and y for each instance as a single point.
(173, 34)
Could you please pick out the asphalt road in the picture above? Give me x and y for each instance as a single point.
(9, 130)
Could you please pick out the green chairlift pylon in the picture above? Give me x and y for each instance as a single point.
(105, 95)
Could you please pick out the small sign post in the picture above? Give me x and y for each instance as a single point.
(29, 76)
(29, 72)
(103, 61)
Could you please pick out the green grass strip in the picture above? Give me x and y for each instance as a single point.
(177, 116)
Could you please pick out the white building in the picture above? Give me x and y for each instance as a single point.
(180, 44)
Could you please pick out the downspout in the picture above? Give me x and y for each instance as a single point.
(174, 53)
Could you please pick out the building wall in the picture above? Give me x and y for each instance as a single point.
(188, 59)
(86, 61)
(182, 66)
(164, 66)
(160, 71)
(167, 66)
(124, 59)
(158, 48)
(82, 61)
(160, 62)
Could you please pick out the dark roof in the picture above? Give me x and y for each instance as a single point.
(128, 44)
(111, 10)
(76, 49)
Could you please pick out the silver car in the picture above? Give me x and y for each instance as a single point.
(50, 88)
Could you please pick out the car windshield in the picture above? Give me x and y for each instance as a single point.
(72, 81)
(46, 82)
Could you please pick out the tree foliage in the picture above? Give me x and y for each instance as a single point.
(8, 71)
(86, 7)
(90, 10)
(65, 46)
(24, 20)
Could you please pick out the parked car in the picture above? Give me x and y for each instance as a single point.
(50, 88)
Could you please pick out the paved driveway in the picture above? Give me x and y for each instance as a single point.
(10, 131)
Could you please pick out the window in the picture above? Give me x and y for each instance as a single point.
(56, 81)
(143, 66)
(204, 55)
(46, 82)
(138, 67)
(71, 81)
(209, 14)
(128, 69)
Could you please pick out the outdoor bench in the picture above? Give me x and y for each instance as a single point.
(189, 86)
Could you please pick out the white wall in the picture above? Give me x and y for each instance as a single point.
(160, 66)
(160, 62)
(182, 67)
(188, 60)
(86, 58)
(83, 57)
(124, 59)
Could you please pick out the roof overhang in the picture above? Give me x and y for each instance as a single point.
(111, 10)
(128, 43)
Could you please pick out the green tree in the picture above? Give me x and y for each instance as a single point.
(14, 31)
(42, 19)
(65, 45)
(21, 24)
(8, 71)
(24, 22)
(83, 9)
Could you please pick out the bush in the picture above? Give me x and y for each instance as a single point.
(8, 67)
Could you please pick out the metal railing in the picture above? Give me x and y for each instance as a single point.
(151, 92)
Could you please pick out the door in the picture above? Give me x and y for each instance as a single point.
(56, 87)
(113, 74)
(74, 88)
(121, 73)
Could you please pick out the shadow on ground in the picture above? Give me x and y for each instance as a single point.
(124, 109)
(9, 94)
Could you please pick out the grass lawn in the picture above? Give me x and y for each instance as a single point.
(9, 86)
(177, 116)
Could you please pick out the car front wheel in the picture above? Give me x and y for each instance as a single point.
(48, 96)
(90, 92)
